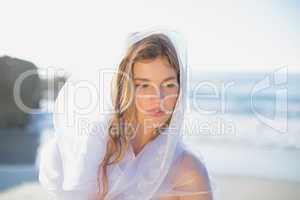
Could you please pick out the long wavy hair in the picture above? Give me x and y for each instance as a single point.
(119, 134)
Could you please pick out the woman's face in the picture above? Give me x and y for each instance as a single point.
(156, 91)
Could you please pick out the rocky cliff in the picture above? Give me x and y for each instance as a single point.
(30, 92)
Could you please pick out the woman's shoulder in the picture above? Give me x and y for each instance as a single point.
(191, 171)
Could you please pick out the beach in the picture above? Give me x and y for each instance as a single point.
(249, 188)
(250, 160)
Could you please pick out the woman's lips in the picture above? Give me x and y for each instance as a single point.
(156, 112)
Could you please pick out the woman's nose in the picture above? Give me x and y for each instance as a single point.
(158, 94)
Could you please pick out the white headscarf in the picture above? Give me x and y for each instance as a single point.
(69, 163)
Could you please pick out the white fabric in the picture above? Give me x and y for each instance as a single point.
(165, 167)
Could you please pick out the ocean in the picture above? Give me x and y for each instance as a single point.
(246, 123)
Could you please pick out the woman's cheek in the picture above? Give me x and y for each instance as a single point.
(141, 105)
(169, 104)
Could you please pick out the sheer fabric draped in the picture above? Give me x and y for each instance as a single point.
(165, 169)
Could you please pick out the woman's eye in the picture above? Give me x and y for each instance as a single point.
(141, 85)
(170, 85)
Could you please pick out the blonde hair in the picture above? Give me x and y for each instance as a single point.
(149, 48)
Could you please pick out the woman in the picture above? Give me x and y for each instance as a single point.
(139, 154)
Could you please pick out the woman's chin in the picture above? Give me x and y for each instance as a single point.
(153, 121)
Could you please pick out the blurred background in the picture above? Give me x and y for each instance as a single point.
(244, 70)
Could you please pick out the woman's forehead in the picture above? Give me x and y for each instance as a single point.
(153, 69)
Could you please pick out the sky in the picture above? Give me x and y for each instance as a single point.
(221, 35)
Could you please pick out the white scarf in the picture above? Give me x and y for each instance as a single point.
(69, 163)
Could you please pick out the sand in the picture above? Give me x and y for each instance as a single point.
(249, 188)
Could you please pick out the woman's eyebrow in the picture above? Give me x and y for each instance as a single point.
(145, 79)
